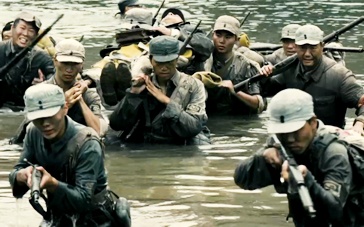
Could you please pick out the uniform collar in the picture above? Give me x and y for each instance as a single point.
(315, 73)
(175, 79)
(68, 134)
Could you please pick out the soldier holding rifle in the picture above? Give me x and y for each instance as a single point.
(35, 67)
(324, 174)
(70, 159)
(233, 68)
(332, 86)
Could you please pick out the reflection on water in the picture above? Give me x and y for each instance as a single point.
(180, 186)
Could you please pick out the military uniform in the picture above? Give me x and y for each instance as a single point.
(332, 86)
(73, 159)
(21, 76)
(237, 69)
(329, 181)
(180, 122)
(143, 118)
(276, 56)
(52, 156)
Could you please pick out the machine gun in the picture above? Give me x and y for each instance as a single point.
(35, 192)
(299, 181)
(286, 63)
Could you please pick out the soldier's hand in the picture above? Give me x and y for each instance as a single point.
(163, 30)
(358, 127)
(73, 95)
(158, 94)
(82, 85)
(40, 79)
(138, 84)
(266, 70)
(228, 84)
(271, 156)
(23, 176)
(48, 182)
(285, 171)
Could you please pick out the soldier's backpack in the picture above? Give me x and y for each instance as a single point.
(352, 140)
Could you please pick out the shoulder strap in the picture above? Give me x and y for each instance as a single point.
(74, 146)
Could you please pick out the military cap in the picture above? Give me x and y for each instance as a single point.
(227, 23)
(164, 48)
(173, 11)
(124, 3)
(70, 50)
(309, 34)
(289, 31)
(289, 110)
(28, 17)
(43, 100)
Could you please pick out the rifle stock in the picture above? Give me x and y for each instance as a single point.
(298, 180)
(4, 70)
(283, 65)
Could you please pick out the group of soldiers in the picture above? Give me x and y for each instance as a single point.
(161, 81)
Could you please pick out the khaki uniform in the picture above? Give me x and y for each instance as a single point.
(237, 69)
(144, 119)
(276, 56)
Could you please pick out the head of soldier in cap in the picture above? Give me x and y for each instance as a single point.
(125, 5)
(309, 45)
(46, 107)
(292, 119)
(25, 29)
(6, 32)
(68, 61)
(225, 34)
(288, 37)
(172, 16)
(163, 53)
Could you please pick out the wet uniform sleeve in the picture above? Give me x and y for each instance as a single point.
(127, 111)
(330, 196)
(272, 85)
(350, 90)
(189, 122)
(28, 153)
(254, 173)
(93, 101)
(77, 199)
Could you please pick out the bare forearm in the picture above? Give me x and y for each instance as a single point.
(91, 119)
(251, 100)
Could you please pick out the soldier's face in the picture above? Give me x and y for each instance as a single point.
(297, 142)
(289, 47)
(309, 55)
(164, 69)
(52, 128)
(67, 71)
(224, 41)
(23, 34)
